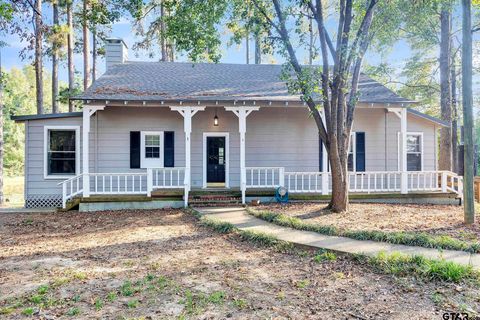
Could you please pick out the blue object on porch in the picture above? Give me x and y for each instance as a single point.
(281, 194)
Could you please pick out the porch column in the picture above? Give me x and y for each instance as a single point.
(324, 162)
(403, 151)
(401, 113)
(88, 111)
(242, 113)
(187, 113)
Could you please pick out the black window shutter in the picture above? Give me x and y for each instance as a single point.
(134, 149)
(169, 149)
(360, 155)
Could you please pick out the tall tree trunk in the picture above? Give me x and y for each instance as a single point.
(163, 43)
(467, 100)
(445, 160)
(39, 55)
(454, 117)
(170, 52)
(55, 60)
(94, 54)
(258, 49)
(86, 47)
(247, 47)
(70, 45)
(339, 173)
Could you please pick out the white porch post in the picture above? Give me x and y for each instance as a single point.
(88, 111)
(324, 162)
(242, 113)
(187, 113)
(403, 151)
(402, 115)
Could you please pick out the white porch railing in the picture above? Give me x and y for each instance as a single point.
(359, 182)
(124, 183)
(263, 177)
(452, 182)
(118, 183)
(71, 188)
(306, 182)
(167, 178)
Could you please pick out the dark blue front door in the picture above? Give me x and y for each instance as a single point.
(216, 159)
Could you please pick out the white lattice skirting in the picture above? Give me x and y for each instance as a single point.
(43, 201)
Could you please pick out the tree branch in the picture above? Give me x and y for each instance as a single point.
(282, 29)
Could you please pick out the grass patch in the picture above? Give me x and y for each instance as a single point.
(132, 304)
(266, 240)
(323, 256)
(13, 191)
(28, 311)
(429, 269)
(73, 312)
(405, 238)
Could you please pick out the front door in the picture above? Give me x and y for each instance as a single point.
(216, 159)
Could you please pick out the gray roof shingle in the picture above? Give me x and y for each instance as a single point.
(157, 81)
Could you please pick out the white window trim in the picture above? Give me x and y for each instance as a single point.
(416, 133)
(227, 156)
(46, 129)
(353, 141)
(144, 162)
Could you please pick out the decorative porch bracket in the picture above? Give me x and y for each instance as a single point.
(187, 113)
(402, 114)
(242, 113)
(88, 111)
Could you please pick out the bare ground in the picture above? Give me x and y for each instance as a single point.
(431, 219)
(161, 264)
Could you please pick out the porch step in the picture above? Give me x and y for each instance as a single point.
(212, 200)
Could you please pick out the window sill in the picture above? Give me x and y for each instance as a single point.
(59, 177)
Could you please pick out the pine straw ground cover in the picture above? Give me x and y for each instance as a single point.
(165, 264)
(424, 225)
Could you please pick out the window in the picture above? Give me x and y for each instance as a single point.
(414, 152)
(61, 151)
(151, 149)
(152, 146)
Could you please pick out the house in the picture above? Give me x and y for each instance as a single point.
(151, 126)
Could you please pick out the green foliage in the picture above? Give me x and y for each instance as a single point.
(323, 256)
(406, 238)
(28, 311)
(132, 303)
(6, 10)
(195, 27)
(19, 99)
(430, 269)
(75, 311)
(219, 226)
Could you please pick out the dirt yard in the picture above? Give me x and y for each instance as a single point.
(162, 265)
(431, 219)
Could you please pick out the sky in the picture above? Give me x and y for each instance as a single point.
(123, 29)
(396, 57)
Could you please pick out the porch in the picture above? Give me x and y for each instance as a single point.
(260, 180)
(270, 126)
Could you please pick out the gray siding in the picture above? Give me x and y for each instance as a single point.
(35, 183)
(276, 136)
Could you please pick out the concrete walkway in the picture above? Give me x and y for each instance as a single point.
(242, 220)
